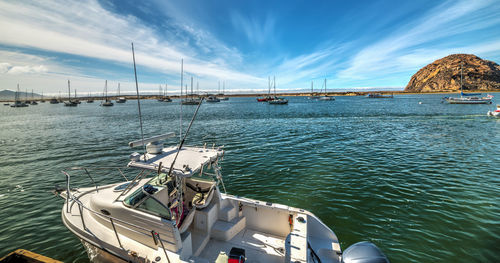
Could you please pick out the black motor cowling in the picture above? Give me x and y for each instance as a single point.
(363, 252)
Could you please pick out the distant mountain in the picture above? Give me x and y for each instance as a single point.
(10, 95)
(444, 75)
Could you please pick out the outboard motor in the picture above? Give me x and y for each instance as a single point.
(363, 252)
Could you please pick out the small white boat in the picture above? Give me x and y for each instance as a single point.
(173, 211)
(495, 113)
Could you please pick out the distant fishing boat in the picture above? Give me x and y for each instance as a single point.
(325, 95)
(120, 99)
(495, 113)
(17, 102)
(54, 101)
(70, 103)
(106, 102)
(467, 98)
(277, 100)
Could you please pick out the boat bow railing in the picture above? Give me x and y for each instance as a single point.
(71, 200)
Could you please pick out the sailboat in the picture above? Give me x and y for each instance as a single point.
(160, 91)
(70, 103)
(191, 100)
(471, 98)
(33, 101)
(106, 102)
(42, 100)
(325, 95)
(313, 95)
(17, 102)
(223, 97)
(120, 99)
(76, 100)
(90, 99)
(213, 98)
(165, 97)
(268, 97)
(277, 100)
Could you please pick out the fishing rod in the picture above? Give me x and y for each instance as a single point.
(138, 102)
(184, 138)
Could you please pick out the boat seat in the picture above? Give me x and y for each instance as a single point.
(202, 200)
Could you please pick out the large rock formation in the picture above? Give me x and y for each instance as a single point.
(444, 75)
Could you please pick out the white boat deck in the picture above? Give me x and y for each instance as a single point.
(258, 246)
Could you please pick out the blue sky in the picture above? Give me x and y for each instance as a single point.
(356, 45)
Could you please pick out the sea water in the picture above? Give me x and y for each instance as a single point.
(420, 180)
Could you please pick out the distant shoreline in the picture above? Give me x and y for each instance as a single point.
(286, 94)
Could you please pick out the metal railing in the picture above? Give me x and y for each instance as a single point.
(71, 200)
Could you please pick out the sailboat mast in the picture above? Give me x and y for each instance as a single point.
(69, 92)
(274, 84)
(268, 86)
(191, 86)
(118, 89)
(106, 90)
(325, 86)
(223, 85)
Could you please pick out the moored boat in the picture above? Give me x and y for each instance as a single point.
(106, 102)
(467, 98)
(120, 99)
(379, 96)
(212, 99)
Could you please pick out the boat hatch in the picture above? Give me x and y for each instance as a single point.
(189, 161)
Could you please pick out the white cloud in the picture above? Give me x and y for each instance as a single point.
(86, 29)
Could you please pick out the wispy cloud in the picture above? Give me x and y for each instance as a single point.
(258, 30)
(86, 29)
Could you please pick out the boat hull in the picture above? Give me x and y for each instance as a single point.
(102, 246)
(451, 101)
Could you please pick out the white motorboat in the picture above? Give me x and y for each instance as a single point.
(173, 211)
(495, 113)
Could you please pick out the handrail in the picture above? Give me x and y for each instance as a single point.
(81, 207)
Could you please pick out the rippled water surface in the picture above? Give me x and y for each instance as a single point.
(422, 181)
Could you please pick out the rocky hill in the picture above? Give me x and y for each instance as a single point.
(10, 95)
(444, 75)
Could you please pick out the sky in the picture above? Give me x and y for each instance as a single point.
(355, 45)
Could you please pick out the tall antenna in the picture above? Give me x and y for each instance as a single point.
(180, 100)
(138, 102)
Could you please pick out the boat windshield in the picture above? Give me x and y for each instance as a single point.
(147, 202)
